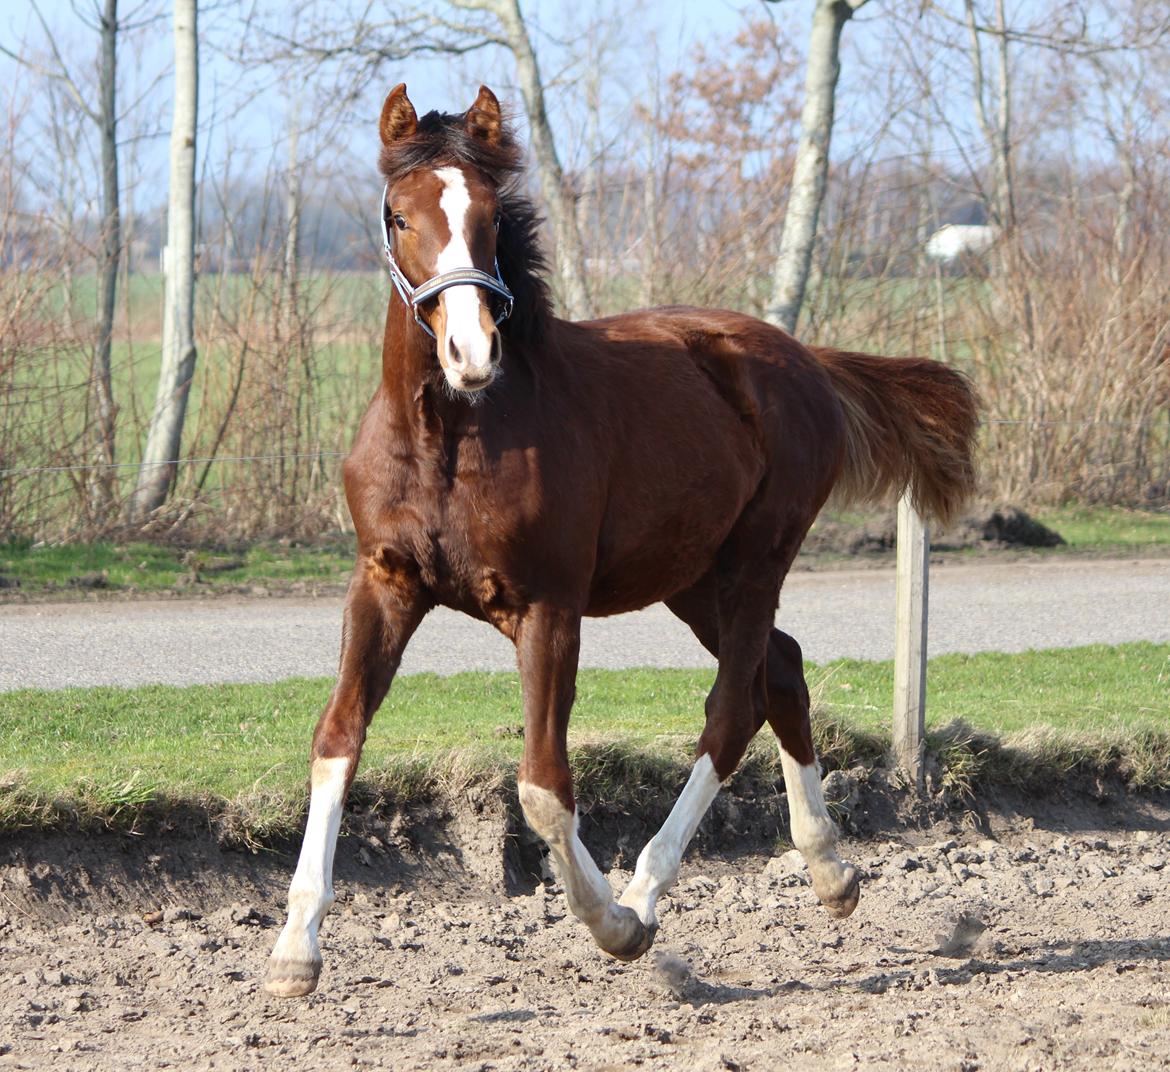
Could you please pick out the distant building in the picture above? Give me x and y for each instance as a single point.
(954, 240)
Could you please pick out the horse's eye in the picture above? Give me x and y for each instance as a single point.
(400, 221)
(496, 222)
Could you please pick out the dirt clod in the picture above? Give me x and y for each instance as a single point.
(963, 938)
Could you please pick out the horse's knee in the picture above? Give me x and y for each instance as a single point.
(732, 722)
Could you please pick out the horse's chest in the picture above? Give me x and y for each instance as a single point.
(463, 548)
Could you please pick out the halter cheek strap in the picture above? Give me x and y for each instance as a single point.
(414, 296)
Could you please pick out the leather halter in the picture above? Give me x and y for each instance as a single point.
(414, 296)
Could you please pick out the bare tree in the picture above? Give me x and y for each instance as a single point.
(111, 251)
(292, 219)
(996, 124)
(105, 116)
(157, 471)
(559, 198)
(790, 276)
(723, 131)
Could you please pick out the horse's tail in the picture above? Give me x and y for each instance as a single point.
(909, 423)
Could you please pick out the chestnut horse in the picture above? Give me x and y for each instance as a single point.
(529, 471)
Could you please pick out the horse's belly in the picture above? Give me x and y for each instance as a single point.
(621, 591)
(652, 565)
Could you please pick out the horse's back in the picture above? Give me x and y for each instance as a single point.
(736, 351)
(707, 413)
(774, 385)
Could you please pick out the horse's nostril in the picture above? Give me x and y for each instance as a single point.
(497, 353)
(454, 357)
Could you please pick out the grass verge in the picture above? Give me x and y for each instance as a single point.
(134, 758)
(1108, 528)
(139, 566)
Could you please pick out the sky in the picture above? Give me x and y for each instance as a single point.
(245, 112)
(237, 109)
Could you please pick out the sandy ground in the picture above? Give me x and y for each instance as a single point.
(1041, 946)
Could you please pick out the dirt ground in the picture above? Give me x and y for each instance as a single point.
(1016, 943)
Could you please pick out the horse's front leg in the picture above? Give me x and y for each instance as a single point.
(547, 647)
(382, 610)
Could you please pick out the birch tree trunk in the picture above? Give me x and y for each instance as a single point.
(292, 222)
(809, 175)
(178, 353)
(558, 197)
(651, 229)
(103, 483)
(997, 130)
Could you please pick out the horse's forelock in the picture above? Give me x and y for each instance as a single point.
(443, 139)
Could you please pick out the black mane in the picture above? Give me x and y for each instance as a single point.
(443, 139)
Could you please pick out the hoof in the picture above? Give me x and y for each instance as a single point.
(843, 906)
(290, 979)
(641, 938)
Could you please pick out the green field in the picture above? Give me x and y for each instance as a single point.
(151, 567)
(119, 756)
(285, 408)
(1106, 528)
(138, 566)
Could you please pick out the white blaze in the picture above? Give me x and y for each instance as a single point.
(463, 302)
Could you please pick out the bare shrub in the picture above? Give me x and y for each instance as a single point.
(44, 383)
(1070, 349)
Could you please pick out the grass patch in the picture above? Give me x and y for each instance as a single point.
(150, 567)
(1107, 528)
(1092, 689)
(128, 757)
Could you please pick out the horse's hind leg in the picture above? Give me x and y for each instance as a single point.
(736, 709)
(787, 710)
(813, 831)
(547, 646)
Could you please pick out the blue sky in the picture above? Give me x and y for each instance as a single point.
(231, 109)
(244, 114)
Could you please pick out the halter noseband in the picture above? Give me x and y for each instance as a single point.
(433, 287)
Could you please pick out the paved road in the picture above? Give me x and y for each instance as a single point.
(973, 607)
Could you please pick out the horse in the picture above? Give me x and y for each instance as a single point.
(529, 471)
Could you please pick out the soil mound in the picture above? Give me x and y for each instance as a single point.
(998, 526)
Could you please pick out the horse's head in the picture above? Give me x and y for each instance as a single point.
(441, 218)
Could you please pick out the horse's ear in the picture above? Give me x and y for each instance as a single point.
(398, 116)
(483, 117)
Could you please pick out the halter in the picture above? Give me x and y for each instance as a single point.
(415, 296)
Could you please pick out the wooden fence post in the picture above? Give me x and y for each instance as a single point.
(910, 640)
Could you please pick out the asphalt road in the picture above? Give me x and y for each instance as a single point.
(982, 606)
